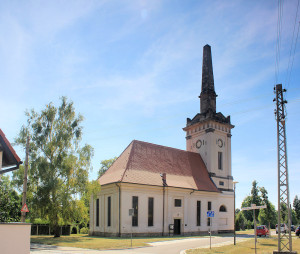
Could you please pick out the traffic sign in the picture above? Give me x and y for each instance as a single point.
(210, 214)
(253, 206)
(24, 209)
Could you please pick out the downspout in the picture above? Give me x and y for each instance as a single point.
(164, 185)
(163, 222)
(119, 209)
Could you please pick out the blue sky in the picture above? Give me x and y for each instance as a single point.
(133, 70)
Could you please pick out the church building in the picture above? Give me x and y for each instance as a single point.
(157, 190)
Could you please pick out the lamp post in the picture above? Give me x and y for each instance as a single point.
(234, 236)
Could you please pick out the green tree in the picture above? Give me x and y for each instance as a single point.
(267, 216)
(10, 201)
(296, 206)
(59, 166)
(104, 165)
(254, 198)
(240, 221)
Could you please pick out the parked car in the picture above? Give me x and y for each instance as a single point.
(283, 228)
(298, 231)
(293, 228)
(262, 230)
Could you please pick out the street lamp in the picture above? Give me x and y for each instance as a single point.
(234, 236)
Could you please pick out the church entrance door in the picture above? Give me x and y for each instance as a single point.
(177, 227)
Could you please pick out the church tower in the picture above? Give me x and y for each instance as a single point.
(209, 132)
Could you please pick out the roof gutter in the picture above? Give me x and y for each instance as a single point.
(10, 169)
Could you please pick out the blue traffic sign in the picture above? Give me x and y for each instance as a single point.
(210, 214)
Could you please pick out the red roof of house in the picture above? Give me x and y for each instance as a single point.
(10, 157)
(142, 163)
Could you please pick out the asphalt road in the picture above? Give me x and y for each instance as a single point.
(165, 247)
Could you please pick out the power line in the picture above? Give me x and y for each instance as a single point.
(293, 56)
(289, 69)
(278, 42)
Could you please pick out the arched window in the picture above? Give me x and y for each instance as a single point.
(223, 208)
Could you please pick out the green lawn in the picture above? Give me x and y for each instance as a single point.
(99, 243)
(264, 246)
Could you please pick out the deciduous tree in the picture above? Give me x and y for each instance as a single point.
(59, 166)
(10, 202)
(104, 165)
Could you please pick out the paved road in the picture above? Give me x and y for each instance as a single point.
(170, 247)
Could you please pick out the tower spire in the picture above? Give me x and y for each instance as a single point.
(208, 94)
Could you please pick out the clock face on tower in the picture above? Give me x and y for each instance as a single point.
(198, 143)
(220, 142)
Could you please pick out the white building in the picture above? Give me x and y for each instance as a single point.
(168, 187)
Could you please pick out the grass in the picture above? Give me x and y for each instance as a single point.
(263, 246)
(98, 243)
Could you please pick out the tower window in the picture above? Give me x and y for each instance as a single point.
(222, 208)
(221, 183)
(177, 202)
(220, 160)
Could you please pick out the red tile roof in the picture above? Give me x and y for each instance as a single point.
(10, 156)
(142, 163)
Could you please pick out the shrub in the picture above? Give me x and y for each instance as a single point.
(84, 230)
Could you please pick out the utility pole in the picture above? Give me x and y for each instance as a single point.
(284, 238)
(23, 214)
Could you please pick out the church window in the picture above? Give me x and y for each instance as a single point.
(109, 211)
(222, 208)
(209, 205)
(177, 202)
(221, 183)
(220, 155)
(97, 212)
(135, 206)
(198, 213)
(150, 211)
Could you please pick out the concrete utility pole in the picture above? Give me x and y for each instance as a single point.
(23, 214)
(284, 240)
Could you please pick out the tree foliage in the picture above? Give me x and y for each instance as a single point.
(296, 206)
(59, 167)
(268, 215)
(10, 201)
(104, 165)
(259, 196)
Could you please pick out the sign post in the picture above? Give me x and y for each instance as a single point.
(254, 207)
(210, 214)
(131, 213)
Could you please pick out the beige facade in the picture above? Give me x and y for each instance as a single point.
(121, 222)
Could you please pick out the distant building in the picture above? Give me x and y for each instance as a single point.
(171, 188)
(9, 160)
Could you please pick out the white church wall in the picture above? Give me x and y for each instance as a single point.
(187, 213)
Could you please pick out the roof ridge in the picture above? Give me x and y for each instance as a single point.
(181, 150)
(132, 142)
